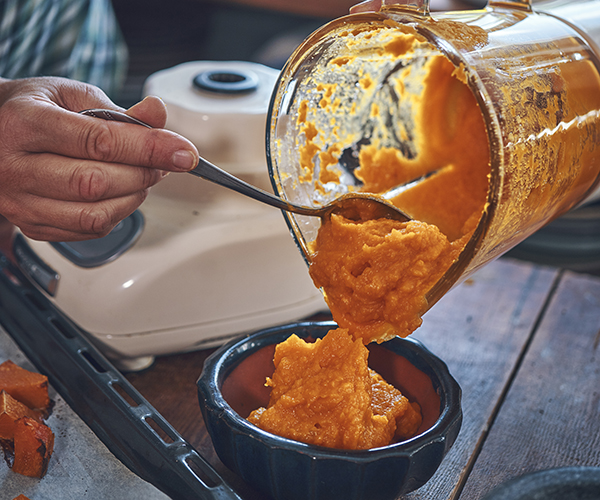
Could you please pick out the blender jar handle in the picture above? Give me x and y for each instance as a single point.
(420, 6)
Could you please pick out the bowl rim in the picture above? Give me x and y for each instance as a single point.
(215, 371)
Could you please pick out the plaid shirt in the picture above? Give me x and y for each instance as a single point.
(77, 39)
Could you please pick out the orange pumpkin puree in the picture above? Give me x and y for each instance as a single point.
(375, 275)
(323, 393)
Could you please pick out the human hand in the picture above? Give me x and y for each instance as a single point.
(67, 177)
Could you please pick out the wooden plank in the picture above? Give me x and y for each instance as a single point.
(551, 415)
(479, 329)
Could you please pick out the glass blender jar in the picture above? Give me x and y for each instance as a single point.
(364, 83)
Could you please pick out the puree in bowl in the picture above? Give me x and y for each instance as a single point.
(324, 393)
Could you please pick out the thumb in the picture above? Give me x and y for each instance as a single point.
(150, 110)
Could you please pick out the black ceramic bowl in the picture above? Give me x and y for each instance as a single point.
(232, 385)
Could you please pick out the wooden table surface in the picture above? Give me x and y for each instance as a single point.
(523, 342)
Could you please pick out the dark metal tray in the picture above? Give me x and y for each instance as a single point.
(113, 409)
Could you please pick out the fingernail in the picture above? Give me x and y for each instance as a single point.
(184, 160)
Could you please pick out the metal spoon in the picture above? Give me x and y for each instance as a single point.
(353, 206)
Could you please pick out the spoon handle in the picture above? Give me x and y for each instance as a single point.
(207, 171)
(117, 116)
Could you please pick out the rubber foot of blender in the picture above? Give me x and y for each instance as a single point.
(133, 364)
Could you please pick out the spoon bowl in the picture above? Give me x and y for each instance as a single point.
(361, 207)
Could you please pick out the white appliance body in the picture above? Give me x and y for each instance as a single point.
(208, 263)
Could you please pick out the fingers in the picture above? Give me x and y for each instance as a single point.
(151, 111)
(69, 179)
(70, 94)
(79, 136)
(53, 220)
(77, 96)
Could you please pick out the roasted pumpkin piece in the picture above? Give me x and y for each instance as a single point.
(12, 410)
(21, 497)
(33, 445)
(29, 388)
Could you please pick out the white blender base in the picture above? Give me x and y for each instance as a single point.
(210, 264)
